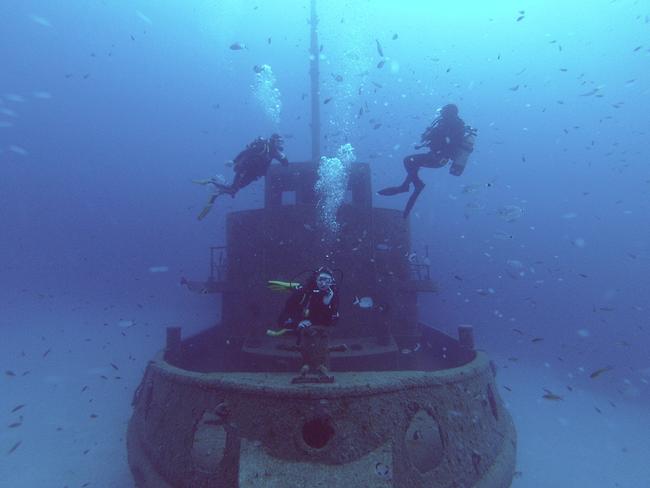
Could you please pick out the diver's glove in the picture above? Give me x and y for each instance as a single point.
(304, 324)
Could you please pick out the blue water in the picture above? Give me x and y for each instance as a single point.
(108, 110)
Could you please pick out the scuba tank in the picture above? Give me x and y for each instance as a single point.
(466, 148)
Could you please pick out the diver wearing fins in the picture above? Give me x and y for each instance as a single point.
(448, 138)
(310, 311)
(250, 164)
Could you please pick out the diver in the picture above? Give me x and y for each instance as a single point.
(249, 165)
(310, 311)
(448, 138)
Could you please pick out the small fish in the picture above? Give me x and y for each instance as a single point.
(395, 36)
(10, 373)
(376, 126)
(363, 302)
(40, 20)
(327, 100)
(46, 352)
(337, 77)
(381, 64)
(589, 93)
(18, 407)
(14, 425)
(507, 388)
(520, 18)
(379, 48)
(158, 269)
(514, 88)
(537, 339)
(143, 17)
(15, 446)
(93, 415)
(549, 395)
(237, 46)
(114, 367)
(125, 324)
(600, 371)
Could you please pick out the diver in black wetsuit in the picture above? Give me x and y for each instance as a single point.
(249, 165)
(444, 138)
(311, 311)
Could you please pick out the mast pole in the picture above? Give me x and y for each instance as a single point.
(315, 92)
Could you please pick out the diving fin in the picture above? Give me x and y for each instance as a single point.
(282, 285)
(277, 333)
(393, 190)
(202, 182)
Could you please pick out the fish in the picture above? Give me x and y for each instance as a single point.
(46, 352)
(510, 213)
(158, 269)
(40, 20)
(379, 48)
(237, 46)
(143, 17)
(114, 367)
(549, 395)
(395, 36)
(363, 302)
(43, 95)
(10, 373)
(15, 446)
(600, 371)
(327, 100)
(14, 425)
(537, 339)
(589, 93)
(125, 324)
(381, 64)
(376, 126)
(18, 407)
(520, 18)
(18, 150)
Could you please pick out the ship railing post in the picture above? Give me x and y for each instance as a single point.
(173, 346)
(466, 340)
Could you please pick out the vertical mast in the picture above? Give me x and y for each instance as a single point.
(315, 92)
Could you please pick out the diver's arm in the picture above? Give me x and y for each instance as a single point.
(280, 156)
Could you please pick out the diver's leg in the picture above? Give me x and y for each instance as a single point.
(404, 187)
(419, 186)
(208, 206)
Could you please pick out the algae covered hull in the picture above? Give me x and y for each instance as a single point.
(445, 428)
